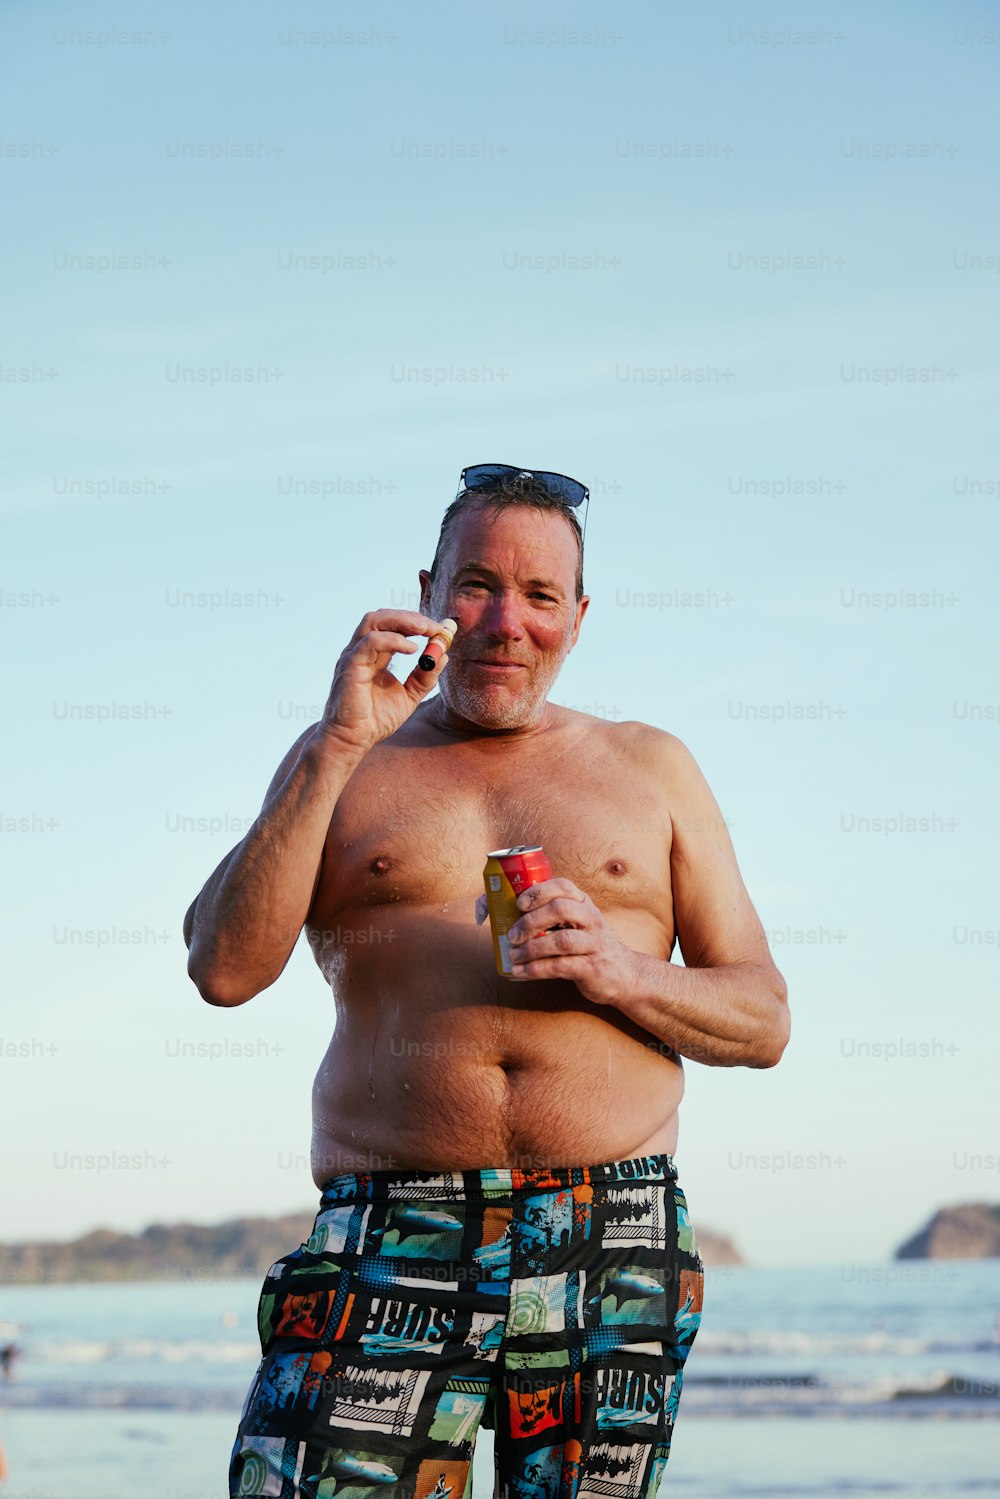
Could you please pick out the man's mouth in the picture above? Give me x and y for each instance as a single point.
(498, 665)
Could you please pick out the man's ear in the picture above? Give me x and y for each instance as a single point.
(581, 609)
(426, 587)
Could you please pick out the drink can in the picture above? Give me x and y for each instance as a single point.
(509, 871)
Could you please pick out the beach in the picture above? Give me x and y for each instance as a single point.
(117, 1455)
(815, 1381)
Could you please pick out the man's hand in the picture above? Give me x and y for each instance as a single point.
(563, 935)
(367, 702)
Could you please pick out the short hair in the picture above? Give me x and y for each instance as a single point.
(504, 493)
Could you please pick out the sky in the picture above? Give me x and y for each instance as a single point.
(273, 276)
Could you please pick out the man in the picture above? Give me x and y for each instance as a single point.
(502, 1232)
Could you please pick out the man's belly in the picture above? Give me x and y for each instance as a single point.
(470, 1071)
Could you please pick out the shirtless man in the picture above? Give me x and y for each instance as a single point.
(458, 1115)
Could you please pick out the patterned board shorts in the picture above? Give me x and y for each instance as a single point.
(557, 1307)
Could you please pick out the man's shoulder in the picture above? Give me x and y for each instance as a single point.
(633, 739)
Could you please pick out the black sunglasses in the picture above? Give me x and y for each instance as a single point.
(562, 488)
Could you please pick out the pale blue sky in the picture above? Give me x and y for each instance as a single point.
(671, 150)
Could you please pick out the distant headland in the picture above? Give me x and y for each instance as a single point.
(970, 1231)
(199, 1251)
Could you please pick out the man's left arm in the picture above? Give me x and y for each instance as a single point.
(727, 1007)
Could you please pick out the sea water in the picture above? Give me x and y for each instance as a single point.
(880, 1380)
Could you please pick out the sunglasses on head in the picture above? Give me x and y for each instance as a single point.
(562, 488)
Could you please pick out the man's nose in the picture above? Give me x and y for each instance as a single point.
(503, 618)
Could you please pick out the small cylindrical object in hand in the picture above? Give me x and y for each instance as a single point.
(509, 871)
(437, 645)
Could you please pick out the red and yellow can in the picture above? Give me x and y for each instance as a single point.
(509, 871)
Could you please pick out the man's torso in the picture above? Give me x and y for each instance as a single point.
(437, 1062)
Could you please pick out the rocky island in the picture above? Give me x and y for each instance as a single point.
(970, 1231)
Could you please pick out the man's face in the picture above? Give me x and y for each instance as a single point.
(509, 579)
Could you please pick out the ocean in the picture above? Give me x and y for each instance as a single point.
(806, 1382)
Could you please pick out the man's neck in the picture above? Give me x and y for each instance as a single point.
(447, 721)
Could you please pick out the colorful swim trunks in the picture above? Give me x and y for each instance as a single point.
(557, 1307)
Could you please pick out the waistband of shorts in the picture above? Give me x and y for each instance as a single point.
(493, 1181)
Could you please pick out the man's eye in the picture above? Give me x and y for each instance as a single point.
(474, 583)
(546, 596)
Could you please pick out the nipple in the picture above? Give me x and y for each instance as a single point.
(379, 865)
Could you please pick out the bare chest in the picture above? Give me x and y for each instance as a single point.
(415, 828)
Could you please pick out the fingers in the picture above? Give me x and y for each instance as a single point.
(559, 909)
(379, 643)
(482, 909)
(548, 890)
(557, 942)
(560, 912)
(398, 621)
(552, 954)
(420, 682)
(385, 632)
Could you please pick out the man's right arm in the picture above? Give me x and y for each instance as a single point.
(243, 926)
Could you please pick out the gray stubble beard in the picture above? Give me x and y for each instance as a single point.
(513, 710)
